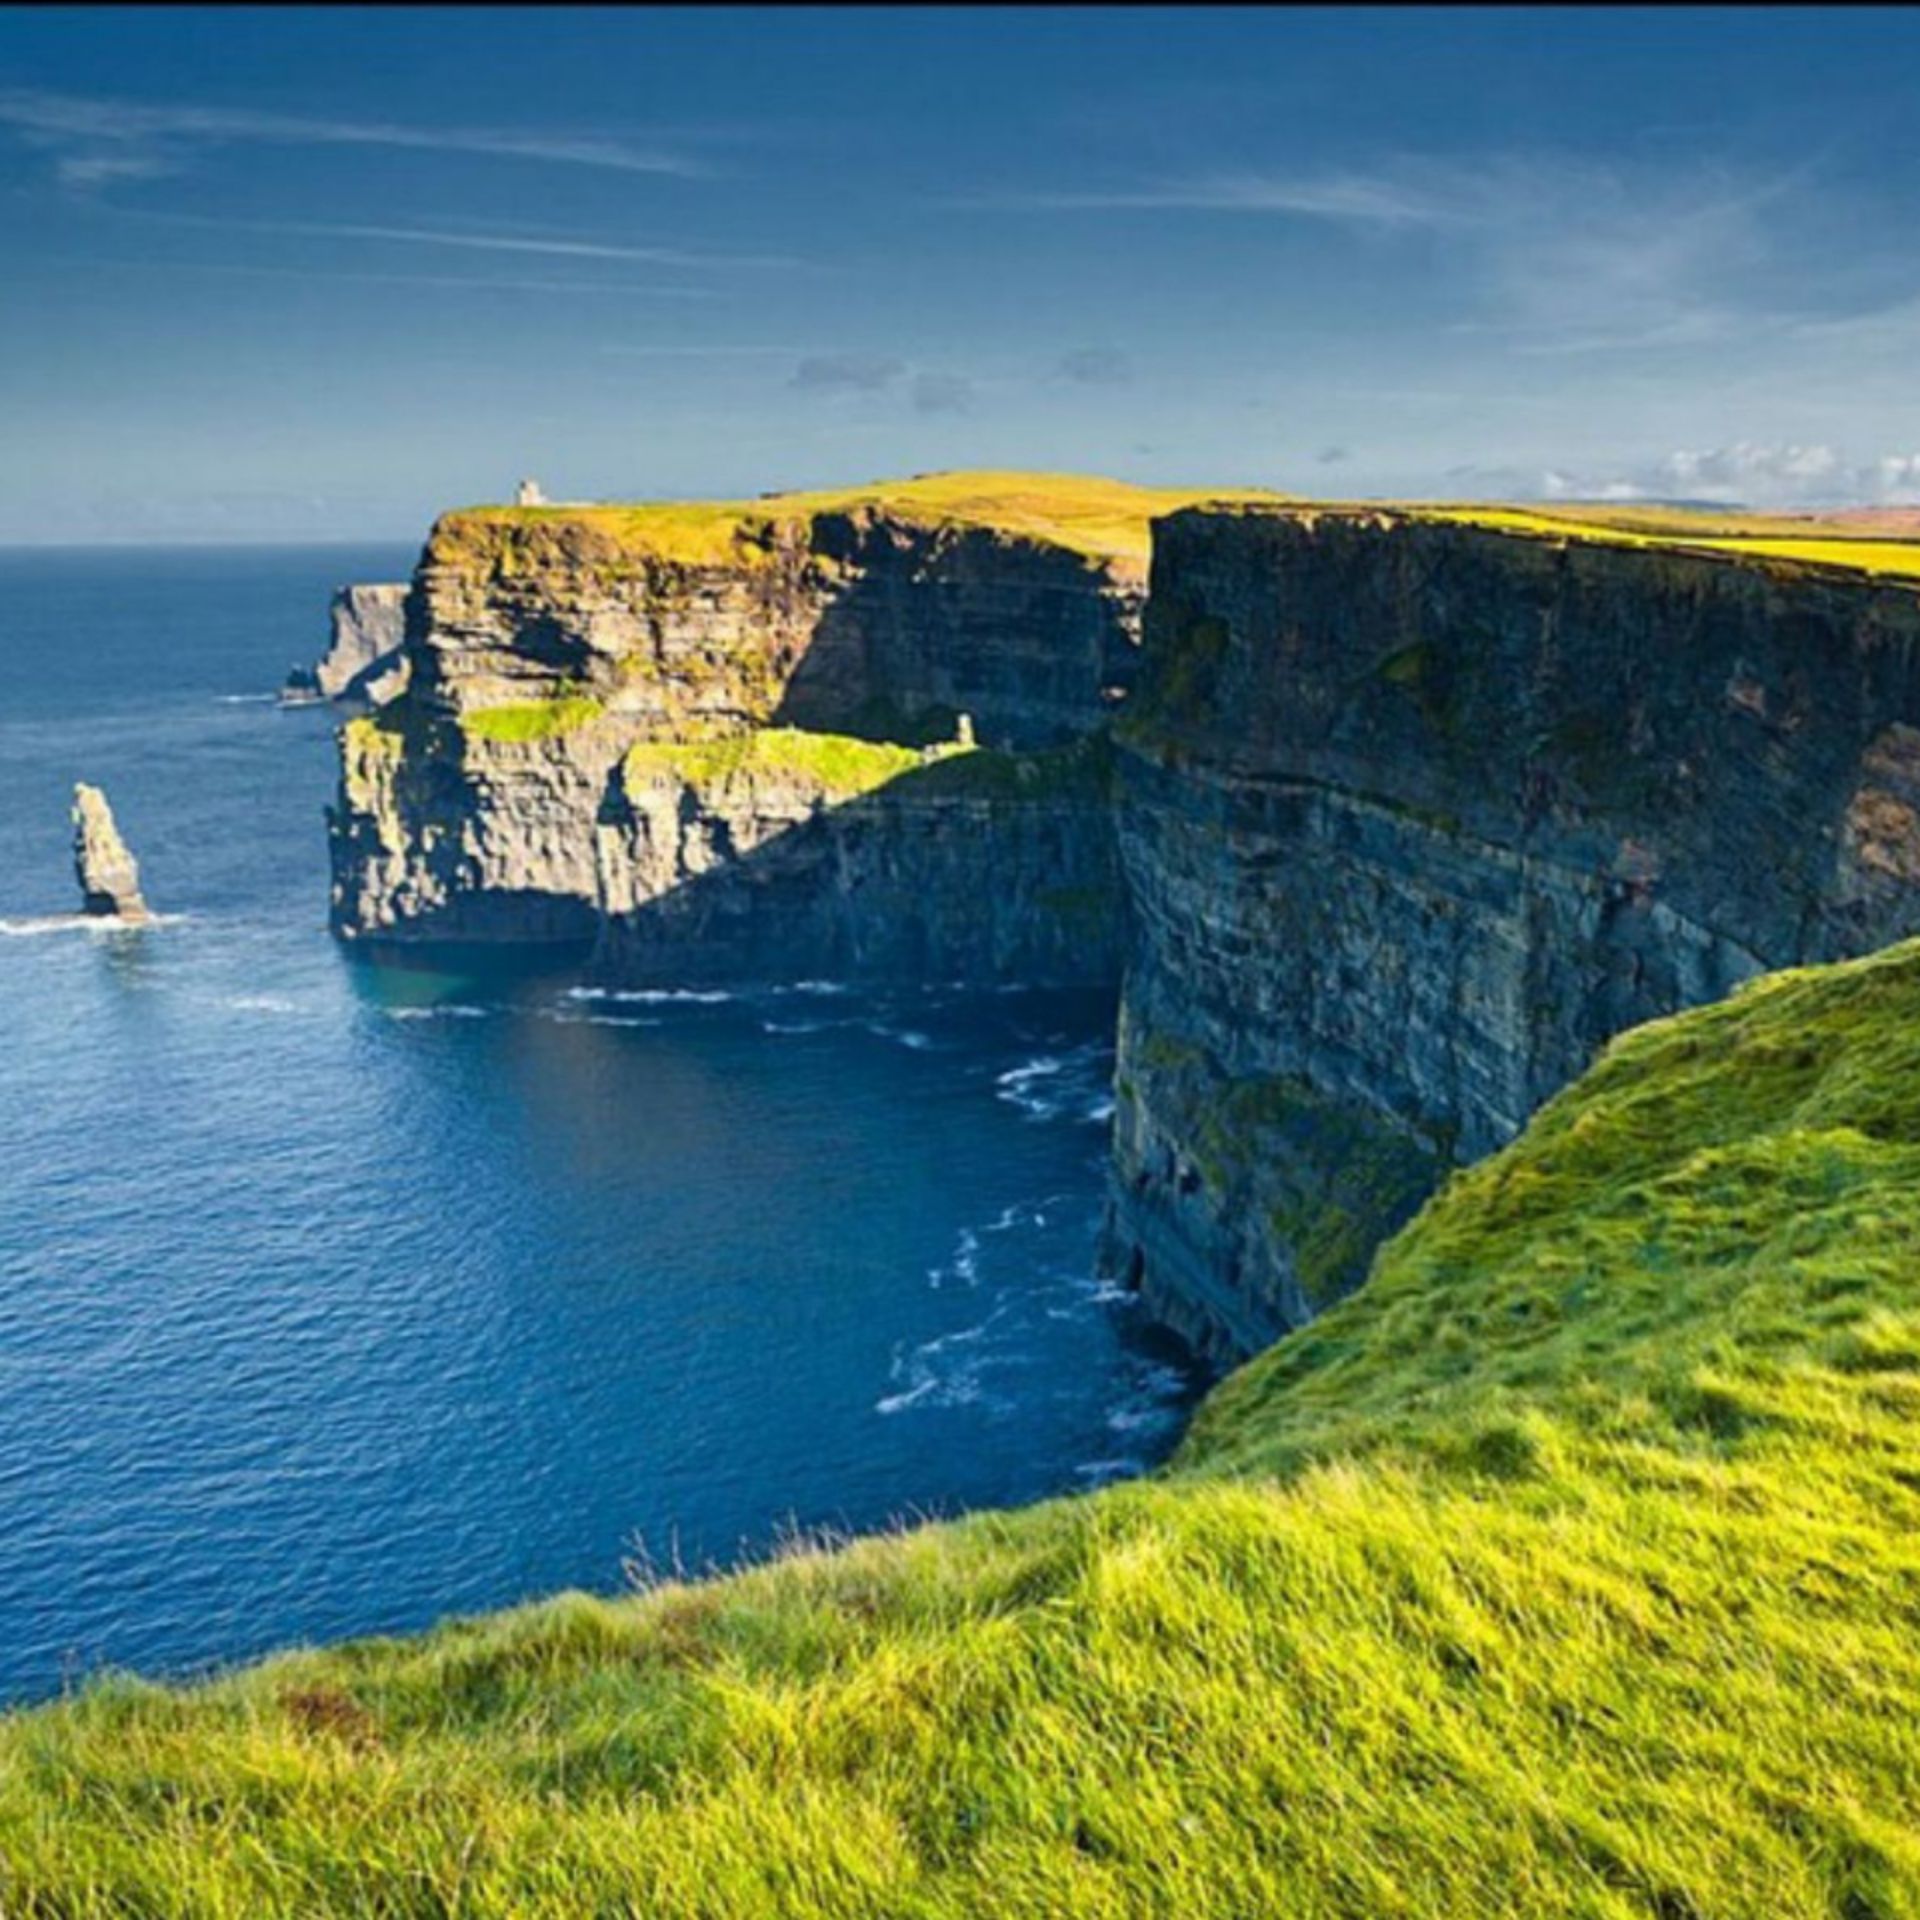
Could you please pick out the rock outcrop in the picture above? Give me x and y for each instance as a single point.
(365, 659)
(1415, 815)
(500, 800)
(108, 874)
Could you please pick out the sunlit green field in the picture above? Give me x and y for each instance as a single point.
(1571, 1567)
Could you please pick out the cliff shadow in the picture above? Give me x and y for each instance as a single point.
(980, 869)
(1034, 654)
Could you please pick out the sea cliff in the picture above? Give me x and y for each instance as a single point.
(994, 615)
(1416, 813)
(1390, 818)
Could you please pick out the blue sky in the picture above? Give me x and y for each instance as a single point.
(317, 274)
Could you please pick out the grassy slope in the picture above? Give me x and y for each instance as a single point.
(1573, 1566)
(1099, 518)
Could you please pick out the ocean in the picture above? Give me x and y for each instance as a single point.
(337, 1298)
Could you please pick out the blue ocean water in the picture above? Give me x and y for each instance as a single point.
(335, 1299)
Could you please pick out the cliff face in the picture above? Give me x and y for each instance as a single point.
(795, 855)
(365, 657)
(1416, 815)
(820, 620)
(500, 800)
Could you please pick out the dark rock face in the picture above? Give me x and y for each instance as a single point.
(364, 660)
(984, 869)
(1416, 816)
(108, 874)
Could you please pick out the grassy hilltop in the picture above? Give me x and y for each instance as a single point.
(1097, 518)
(1571, 1567)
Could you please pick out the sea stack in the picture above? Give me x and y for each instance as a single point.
(109, 875)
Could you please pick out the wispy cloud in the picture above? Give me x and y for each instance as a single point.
(846, 373)
(942, 393)
(486, 283)
(1560, 255)
(96, 140)
(1094, 367)
(543, 245)
(624, 350)
(1369, 199)
(473, 240)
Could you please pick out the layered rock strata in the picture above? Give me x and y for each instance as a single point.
(502, 801)
(365, 658)
(1414, 816)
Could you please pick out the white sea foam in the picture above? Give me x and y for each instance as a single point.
(246, 699)
(34, 925)
(901, 1036)
(446, 1010)
(965, 1264)
(261, 1003)
(942, 1372)
(653, 996)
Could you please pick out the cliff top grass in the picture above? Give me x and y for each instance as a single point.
(1097, 518)
(1807, 540)
(1571, 1567)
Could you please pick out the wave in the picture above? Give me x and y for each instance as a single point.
(446, 1010)
(600, 1019)
(260, 1003)
(34, 925)
(653, 996)
(246, 699)
(943, 1372)
(1052, 1086)
(909, 1037)
(965, 1264)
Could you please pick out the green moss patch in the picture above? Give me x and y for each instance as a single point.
(531, 719)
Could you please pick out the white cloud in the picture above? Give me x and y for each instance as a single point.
(1749, 473)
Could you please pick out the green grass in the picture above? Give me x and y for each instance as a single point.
(1097, 518)
(841, 766)
(845, 766)
(1571, 1567)
(531, 719)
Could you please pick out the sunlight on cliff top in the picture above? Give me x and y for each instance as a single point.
(1809, 539)
(1098, 518)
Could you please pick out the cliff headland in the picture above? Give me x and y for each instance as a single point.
(1483, 886)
